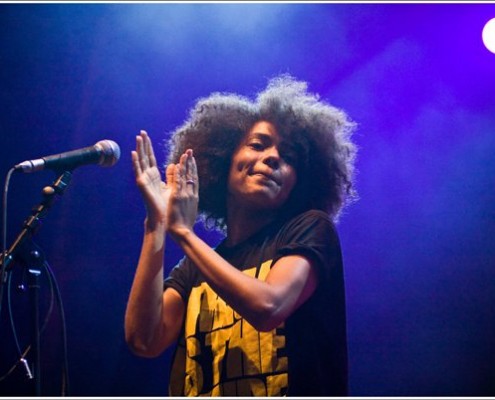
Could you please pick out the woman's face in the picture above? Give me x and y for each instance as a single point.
(259, 177)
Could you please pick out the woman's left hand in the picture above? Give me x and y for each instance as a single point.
(184, 198)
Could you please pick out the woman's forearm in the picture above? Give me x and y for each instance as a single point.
(143, 318)
(264, 304)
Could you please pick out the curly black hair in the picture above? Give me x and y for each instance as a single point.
(316, 140)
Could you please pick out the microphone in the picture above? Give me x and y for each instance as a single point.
(105, 153)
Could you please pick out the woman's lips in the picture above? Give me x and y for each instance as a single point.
(266, 175)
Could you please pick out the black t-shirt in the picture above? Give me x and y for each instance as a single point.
(221, 354)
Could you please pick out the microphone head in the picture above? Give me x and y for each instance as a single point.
(109, 152)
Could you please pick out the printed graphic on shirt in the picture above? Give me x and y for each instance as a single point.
(223, 354)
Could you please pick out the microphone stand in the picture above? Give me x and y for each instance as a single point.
(33, 259)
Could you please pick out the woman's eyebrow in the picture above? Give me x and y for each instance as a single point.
(260, 135)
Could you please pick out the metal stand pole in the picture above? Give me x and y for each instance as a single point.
(34, 291)
(32, 257)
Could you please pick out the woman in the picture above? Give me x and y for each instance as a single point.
(263, 313)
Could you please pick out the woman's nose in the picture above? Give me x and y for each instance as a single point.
(272, 157)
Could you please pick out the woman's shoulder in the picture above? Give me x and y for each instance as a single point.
(310, 217)
(309, 223)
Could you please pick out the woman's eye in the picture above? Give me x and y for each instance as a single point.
(289, 155)
(256, 145)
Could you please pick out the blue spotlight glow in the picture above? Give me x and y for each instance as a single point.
(488, 35)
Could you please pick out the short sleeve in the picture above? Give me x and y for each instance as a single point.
(313, 235)
(180, 278)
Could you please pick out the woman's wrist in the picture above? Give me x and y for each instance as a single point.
(180, 234)
(152, 225)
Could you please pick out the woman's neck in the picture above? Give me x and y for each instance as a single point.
(242, 223)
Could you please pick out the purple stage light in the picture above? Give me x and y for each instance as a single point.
(488, 35)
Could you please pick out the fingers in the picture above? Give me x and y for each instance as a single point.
(145, 155)
(183, 176)
(149, 149)
(140, 151)
(170, 175)
(136, 166)
(192, 180)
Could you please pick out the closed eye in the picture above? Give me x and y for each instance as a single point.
(259, 141)
(256, 145)
(289, 153)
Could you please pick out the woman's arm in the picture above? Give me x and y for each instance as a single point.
(153, 317)
(264, 304)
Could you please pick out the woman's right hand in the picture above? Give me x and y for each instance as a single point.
(153, 189)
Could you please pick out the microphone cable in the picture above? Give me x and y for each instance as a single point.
(4, 234)
(65, 390)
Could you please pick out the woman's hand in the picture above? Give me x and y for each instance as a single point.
(182, 178)
(154, 191)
